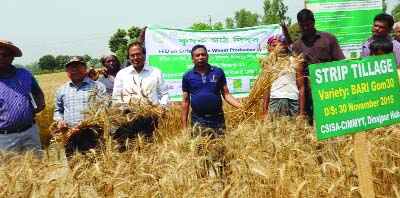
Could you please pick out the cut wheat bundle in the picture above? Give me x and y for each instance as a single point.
(102, 119)
(273, 66)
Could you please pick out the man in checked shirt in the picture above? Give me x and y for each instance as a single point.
(72, 99)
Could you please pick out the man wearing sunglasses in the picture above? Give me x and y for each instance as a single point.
(20, 99)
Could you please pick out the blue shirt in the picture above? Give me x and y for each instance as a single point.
(108, 83)
(205, 90)
(16, 109)
(71, 101)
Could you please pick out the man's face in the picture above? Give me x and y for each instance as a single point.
(111, 64)
(307, 27)
(278, 45)
(6, 57)
(76, 71)
(397, 33)
(380, 29)
(136, 57)
(200, 57)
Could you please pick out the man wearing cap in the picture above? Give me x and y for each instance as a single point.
(72, 98)
(112, 66)
(286, 95)
(20, 98)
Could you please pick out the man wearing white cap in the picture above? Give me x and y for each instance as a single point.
(20, 99)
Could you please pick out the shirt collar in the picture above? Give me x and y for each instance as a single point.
(145, 67)
(210, 68)
(86, 80)
(317, 35)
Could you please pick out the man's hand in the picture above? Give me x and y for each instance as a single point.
(62, 125)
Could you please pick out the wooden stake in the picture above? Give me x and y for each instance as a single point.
(363, 166)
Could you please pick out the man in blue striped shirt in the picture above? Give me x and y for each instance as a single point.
(72, 98)
(20, 98)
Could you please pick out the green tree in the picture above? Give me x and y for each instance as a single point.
(245, 18)
(60, 61)
(118, 43)
(274, 12)
(133, 34)
(200, 26)
(396, 12)
(47, 62)
(95, 62)
(384, 6)
(86, 58)
(118, 40)
(218, 26)
(294, 31)
(229, 23)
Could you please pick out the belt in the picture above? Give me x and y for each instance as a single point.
(17, 130)
(208, 115)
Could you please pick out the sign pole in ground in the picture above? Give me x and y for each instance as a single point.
(363, 166)
(353, 96)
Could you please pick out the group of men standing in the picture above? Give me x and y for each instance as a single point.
(202, 86)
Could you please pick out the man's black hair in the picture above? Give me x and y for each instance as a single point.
(137, 43)
(197, 47)
(305, 15)
(383, 44)
(385, 17)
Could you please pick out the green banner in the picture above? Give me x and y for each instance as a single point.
(236, 51)
(355, 95)
(349, 20)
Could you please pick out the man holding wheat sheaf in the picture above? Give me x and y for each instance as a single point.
(139, 85)
(72, 100)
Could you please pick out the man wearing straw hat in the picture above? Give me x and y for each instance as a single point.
(20, 99)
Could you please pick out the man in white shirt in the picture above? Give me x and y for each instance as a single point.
(138, 82)
(140, 79)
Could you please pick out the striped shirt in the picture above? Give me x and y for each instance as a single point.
(396, 48)
(16, 109)
(71, 101)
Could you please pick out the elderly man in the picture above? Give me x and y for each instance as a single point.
(381, 28)
(20, 98)
(112, 66)
(396, 29)
(202, 89)
(72, 100)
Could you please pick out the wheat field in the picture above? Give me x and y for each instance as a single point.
(263, 159)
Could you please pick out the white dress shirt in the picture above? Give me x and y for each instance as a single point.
(149, 82)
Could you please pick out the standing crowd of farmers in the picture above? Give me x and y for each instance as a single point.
(203, 87)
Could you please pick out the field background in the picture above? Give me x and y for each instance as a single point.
(264, 159)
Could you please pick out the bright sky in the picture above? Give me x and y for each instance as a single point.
(61, 27)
